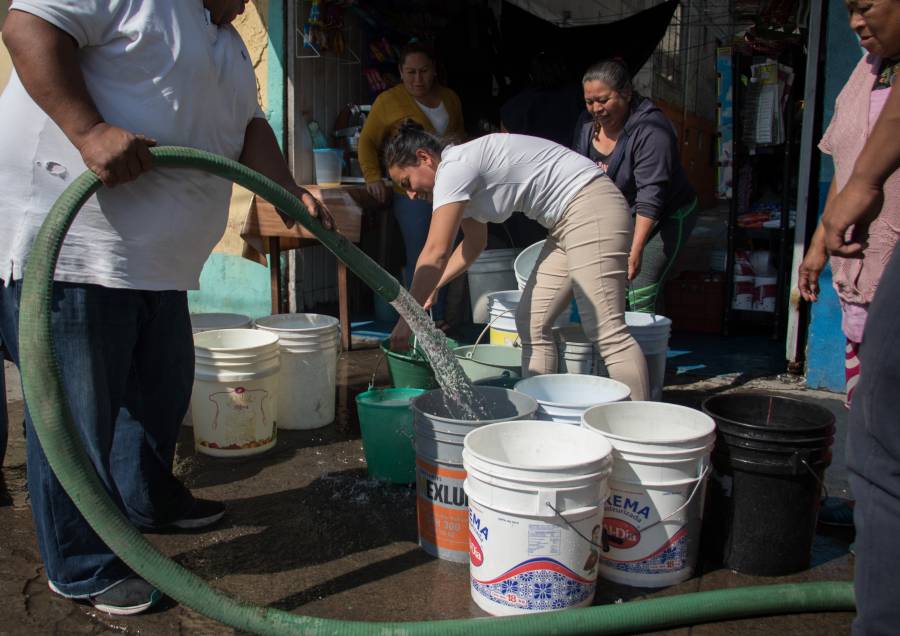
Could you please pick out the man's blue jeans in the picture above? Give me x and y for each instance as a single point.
(127, 364)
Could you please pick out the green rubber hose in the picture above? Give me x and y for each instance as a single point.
(61, 443)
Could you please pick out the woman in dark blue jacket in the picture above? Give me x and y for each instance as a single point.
(635, 143)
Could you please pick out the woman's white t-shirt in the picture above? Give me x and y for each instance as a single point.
(438, 116)
(502, 173)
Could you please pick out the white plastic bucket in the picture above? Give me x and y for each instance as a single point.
(308, 378)
(327, 162)
(563, 397)
(575, 353)
(214, 321)
(235, 397)
(655, 508)
(652, 334)
(526, 261)
(441, 503)
(536, 492)
(502, 309)
(491, 271)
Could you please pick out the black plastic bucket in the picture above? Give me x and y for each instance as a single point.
(764, 491)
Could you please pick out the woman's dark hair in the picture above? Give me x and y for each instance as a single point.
(613, 73)
(416, 46)
(407, 137)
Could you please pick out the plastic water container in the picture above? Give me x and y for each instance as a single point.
(563, 397)
(235, 396)
(536, 492)
(309, 349)
(492, 271)
(212, 322)
(328, 166)
(441, 502)
(385, 422)
(652, 334)
(653, 516)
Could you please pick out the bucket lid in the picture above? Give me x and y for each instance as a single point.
(573, 390)
(768, 413)
(536, 445)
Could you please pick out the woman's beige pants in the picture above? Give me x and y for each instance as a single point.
(586, 254)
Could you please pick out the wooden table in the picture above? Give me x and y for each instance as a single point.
(264, 232)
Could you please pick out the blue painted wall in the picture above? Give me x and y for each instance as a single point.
(825, 343)
(229, 282)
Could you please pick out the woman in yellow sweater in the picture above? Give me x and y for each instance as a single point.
(437, 108)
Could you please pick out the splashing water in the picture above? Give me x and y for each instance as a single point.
(460, 397)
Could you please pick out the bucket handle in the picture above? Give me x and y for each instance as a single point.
(375, 371)
(605, 544)
(804, 461)
(517, 342)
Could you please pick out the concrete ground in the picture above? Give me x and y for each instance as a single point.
(309, 533)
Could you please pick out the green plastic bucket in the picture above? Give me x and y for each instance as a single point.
(480, 362)
(385, 421)
(410, 369)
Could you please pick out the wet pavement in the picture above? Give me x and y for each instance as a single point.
(308, 532)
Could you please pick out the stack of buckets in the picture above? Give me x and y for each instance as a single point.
(249, 382)
(234, 403)
(309, 344)
(536, 490)
(770, 457)
(212, 322)
(551, 506)
(491, 271)
(653, 516)
(502, 309)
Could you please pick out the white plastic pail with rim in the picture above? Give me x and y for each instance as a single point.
(652, 334)
(235, 397)
(441, 502)
(563, 397)
(309, 350)
(212, 322)
(575, 352)
(492, 271)
(536, 496)
(657, 487)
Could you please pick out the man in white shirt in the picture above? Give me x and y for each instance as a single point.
(95, 84)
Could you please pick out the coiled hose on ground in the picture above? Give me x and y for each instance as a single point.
(52, 420)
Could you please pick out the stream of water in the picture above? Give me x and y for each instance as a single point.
(460, 398)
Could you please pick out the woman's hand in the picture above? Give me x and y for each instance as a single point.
(378, 190)
(429, 302)
(634, 263)
(857, 205)
(400, 336)
(808, 276)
